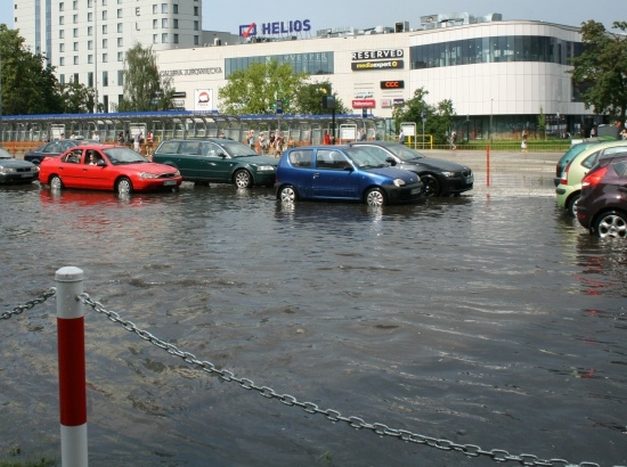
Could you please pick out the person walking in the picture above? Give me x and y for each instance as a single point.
(523, 143)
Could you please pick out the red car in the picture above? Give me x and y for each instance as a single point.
(105, 167)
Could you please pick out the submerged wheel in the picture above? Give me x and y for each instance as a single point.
(243, 179)
(612, 224)
(571, 204)
(124, 186)
(375, 197)
(287, 194)
(431, 185)
(55, 183)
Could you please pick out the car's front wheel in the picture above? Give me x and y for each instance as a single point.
(124, 186)
(431, 185)
(243, 179)
(287, 194)
(611, 224)
(375, 197)
(55, 183)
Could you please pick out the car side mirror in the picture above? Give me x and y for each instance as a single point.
(101, 163)
(391, 161)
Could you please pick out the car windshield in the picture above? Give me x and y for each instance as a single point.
(365, 159)
(119, 156)
(403, 152)
(235, 149)
(572, 152)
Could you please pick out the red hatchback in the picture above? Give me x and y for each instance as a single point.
(104, 167)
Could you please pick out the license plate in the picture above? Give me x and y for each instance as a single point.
(27, 175)
(169, 183)
(415, 191)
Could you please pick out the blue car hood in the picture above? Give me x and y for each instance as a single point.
(391, 172)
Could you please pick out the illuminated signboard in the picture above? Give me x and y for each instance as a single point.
(377, 65)
(384, 54)
(275, 28)
(393, 84)
(364, 103)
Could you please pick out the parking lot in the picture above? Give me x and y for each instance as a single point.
(486, 319)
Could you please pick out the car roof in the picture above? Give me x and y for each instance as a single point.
(598, 146)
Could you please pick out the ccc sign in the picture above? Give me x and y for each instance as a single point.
(396, 84)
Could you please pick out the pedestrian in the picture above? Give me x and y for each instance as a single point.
(523, 143)
(401, 137)
(136, 141)
(453, 140)
(593, 132)
(121, 138)
(326, 138)
(251, 138)
(623, 134)
(361, 134)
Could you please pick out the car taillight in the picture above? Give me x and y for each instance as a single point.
(594, 177)
(564, 177)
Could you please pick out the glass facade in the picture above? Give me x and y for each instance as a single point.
(313, 63)
(493, 50)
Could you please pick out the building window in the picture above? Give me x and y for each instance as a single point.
(61, 6)
(75, 5)
(61, 47)
(120, 56)
(61, 61)
(75, 60)
(104, 29)
(90, 79)
(90, 3)
(75, 46)
(62, 79)
(74, 19)
(120, 28)
(90, 31)
(175, 23)
(75, 32)
(119, 14)
(195, 11)
(61, 20)
(105, 43)
(90, 58)
(164, 8)
(75, 78)
(155, 23)
(104, 15)
(175, 38)
(61, 33)
(90, 17)
(120, 78)
(90, 45)
(154, 38)
(164, 23)
(155, 8)
(105, 58)
(105, 79)
(120, 42)
(175, 8)
(196, 26)
(196, 41)
(164, 38)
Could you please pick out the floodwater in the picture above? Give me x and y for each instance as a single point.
(487, 319)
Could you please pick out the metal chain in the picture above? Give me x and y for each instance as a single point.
(30, 304)
(358, 423)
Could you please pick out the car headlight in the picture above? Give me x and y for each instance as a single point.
(7, 170)
(399, 182)
(265, 168)
(146, 175)
(448, 174)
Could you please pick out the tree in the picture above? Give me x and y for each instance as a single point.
(438, 119)
(601, 69)
(78, 98)
(143, 88)
(28, 85)
(257, 89)
(309, 99)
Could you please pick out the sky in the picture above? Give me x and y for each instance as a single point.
(228, 16)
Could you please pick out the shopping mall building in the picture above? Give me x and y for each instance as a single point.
(499, 74)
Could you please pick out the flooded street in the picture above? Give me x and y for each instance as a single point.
(488, 319)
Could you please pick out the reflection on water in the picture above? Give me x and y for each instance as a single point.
(485, 319)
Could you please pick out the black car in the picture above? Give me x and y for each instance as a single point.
(439, 177)
(602, 207)
(53, 148)
(16, 171)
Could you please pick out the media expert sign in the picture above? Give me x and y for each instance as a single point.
(203, 99)
(275, 28)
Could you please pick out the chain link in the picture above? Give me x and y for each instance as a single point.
(19, 309)
(470, 450)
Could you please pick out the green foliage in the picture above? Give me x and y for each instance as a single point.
(601, 70)
(28, 85)
(143, 88)
(257, 89)
(77, 98)
(309, 100)
(438, 120)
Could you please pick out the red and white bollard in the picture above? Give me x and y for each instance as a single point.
(72, 383)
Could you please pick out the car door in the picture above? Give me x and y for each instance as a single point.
(70, 168)
(219, 164)
(97, 175)
(334, 177)
(189, 159)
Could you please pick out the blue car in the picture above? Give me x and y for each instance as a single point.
(343, 173)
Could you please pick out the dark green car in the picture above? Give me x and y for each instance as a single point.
(217, 160)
